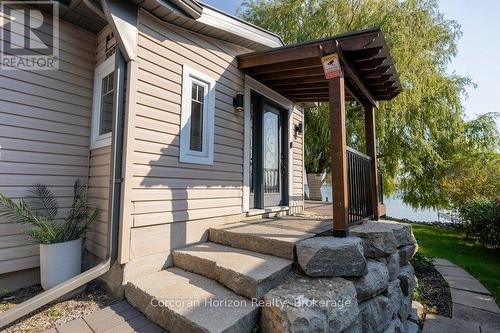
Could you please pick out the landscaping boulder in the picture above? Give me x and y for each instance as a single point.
(402, 232)
(405, 309)
(375, 314)
(378, 239)
(310, 305)
(413, 315)
(419, 309)
(392, 263)
(356, 327)
(395, 296)
(406, 253)
(331, 256)
(374, 282)
(395, 326)
(408, 279)
(411, 327)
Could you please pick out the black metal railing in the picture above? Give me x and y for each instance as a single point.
(380, 187)
(358, 181)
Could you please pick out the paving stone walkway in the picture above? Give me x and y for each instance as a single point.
(120, 318)
(474, 309)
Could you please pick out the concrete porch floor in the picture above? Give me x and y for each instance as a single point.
(319, 208)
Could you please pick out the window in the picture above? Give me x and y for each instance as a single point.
(102, 110)
(197, 117)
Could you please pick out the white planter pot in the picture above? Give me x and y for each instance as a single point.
(60, 262)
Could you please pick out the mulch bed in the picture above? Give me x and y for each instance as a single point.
(90, 300)
(432, 289)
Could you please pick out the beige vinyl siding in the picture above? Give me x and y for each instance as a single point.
(166, 193)
(99, 172)
(99, 175)
(174, 203)
(297, 200)
(44, 135)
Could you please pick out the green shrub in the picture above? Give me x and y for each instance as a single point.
(39, 211)
(420, 262)
(482, 221)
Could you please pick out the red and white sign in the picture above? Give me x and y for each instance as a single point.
(331, 66)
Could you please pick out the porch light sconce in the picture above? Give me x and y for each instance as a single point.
(298, 129)
(238, 101)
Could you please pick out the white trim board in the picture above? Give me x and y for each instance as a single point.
(252, 84)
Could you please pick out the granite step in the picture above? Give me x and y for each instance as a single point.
(247, 273)
(259, 237)
(181, 301)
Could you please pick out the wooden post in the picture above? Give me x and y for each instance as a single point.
(338, 156)
(371, 150)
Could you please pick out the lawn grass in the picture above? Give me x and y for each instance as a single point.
(483, 263)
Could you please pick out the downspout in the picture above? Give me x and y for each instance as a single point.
(114, 216)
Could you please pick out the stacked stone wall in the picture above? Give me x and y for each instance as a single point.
(360, 284)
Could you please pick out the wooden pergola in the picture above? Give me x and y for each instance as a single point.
(368, 76)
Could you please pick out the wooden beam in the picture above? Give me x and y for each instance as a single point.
(318, 93)
(310, 86)
(286, 84)
(294, 73)
(307, 92)
(309, 99)
(374, 73)
(349, 69)
(288, 65)
(338, 157)
(388, 90)
(318, 99)
(380, 79)
(385, 84)
(279, 55)
(352, 95)
(298, 81)
(358, 42)
(371, 150)
(370, 64)
(365, 53)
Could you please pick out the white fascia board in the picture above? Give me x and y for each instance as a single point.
(192, 8)
(122, 16)
(235, 26)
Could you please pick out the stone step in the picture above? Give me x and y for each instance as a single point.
(181, 301)
(259, 237)
(247, 273)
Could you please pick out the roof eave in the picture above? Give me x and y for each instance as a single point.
(192, 8)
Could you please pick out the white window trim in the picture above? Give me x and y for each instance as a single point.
(206, 156)
(96, 140)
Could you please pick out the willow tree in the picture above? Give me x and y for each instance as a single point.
(317, 150)
(421, 130)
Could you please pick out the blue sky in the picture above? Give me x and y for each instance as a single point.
(478, 49)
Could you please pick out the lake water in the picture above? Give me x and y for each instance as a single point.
(395, 208)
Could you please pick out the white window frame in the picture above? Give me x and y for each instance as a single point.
(104, 69)
(206, 155)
